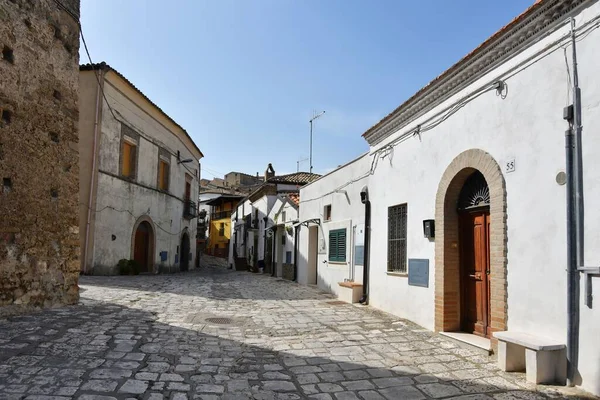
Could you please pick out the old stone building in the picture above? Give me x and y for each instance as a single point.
(39, 247)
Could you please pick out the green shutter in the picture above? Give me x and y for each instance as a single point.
(337, 245)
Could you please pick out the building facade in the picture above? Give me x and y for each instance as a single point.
(465, 186)
(139, 173)
(39, 250)
(219, 228)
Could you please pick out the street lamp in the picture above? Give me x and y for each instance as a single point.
(315, 116)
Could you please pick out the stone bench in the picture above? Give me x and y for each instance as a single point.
(544, 360)
(350, 292)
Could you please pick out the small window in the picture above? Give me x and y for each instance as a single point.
(283, 216)
(327, 213)
(337, 245)
(163, 175)
(188, 187)
(397, 222)
(222, 229)
(128, 160)
(288, 257)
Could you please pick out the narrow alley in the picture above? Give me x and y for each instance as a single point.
(216, 333)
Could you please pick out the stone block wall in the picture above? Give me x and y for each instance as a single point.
(288, 272)
(39, 234)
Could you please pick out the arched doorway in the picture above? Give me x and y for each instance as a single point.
(184, 249)
(143, 246)
(474, 241)
(470, 246)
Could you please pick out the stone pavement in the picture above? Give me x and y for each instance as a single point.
(156, 337)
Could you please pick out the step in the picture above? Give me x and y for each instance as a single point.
(469, 341)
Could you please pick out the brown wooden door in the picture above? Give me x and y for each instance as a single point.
(141, 246)
(475, 273)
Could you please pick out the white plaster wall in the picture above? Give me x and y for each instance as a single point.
(527, 125)
(134, 200)
(346, 211)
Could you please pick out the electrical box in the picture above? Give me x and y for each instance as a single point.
(429, 228)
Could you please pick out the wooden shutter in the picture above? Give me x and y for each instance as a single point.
(163, 175)
(337, 245)
(126, 160)
(133, 161)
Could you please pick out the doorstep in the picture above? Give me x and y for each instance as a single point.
(470, 341)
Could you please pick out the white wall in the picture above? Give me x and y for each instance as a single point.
(122, 202)
(526, 126)
(347, 211)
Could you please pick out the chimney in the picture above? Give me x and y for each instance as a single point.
(269, 173)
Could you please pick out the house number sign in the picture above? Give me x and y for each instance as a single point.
(510, 165)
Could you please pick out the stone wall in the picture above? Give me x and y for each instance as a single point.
(288, 272)
(39, 246)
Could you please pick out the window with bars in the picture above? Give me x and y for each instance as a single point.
(397, 222)
(337, 245)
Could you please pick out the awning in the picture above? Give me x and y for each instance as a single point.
(315, 221)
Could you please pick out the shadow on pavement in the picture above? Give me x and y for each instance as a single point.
(98, 348)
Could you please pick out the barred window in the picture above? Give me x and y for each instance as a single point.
(397, 216)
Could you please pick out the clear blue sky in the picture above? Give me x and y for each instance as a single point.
(243, 77)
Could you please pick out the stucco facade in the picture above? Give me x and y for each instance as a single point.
(513, 135)
(39, 250)
(147, 216)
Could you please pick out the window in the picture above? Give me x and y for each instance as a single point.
(188, 187)
(337, 245)
(327, 213)
(163, 175)
(288, 257)
(222, 229)
(128, 160)
(283, 216)
(397, 216)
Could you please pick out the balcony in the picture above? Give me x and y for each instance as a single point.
(190, 210)
(220, 215)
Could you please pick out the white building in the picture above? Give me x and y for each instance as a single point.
(139, 174)
(263, 233)
(477, 155)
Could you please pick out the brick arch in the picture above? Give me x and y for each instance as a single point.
(447, 272)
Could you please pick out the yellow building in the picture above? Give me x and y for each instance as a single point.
(219, 231)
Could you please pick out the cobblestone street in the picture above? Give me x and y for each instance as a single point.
(219, 334)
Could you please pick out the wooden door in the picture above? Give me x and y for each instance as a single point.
(141, 246)
(474, 261)
(188, 191)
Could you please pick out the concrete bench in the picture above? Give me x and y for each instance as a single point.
(544, 360)
(350, 292)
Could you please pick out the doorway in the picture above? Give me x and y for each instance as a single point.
(142, 247)
(185, 252)
(474, 239)
(313, 265)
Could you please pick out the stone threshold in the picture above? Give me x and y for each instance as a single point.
(470, 341)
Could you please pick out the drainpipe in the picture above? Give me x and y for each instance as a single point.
(296, 230)
(364, 196)
(92, 176)
(274, 250)
(574, 219)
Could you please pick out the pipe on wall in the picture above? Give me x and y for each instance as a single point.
(296, 230)
(365, 298)
(92, 175)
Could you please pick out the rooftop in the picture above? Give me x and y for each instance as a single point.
(296, 178)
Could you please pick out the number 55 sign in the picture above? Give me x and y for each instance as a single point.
(510, 165)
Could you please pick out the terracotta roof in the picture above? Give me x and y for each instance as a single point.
(295, 198)
(105, 67)
(481, 50)
(297, 178)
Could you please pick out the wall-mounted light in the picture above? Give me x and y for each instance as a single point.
(186, 160)
(429, 228)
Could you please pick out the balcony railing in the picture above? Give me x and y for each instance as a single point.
(190, 210)
(220, 215)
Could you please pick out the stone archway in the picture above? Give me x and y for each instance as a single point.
(447, 268)
(184, 251)
(143, 242)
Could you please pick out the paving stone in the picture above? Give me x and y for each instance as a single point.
(437, 390)
(179, 396)
(275, 375)
(370, 395)
(134, 386)
(279, 386)
(237, 385)
(95, 397)
(321, 396)
(329, 387)
(171, 377)
(110, 374)
(206, 388)
(156, 396)
(331, 377)
(346, 396)
(146, 376)
(95, 385)
(402, 392)
(394, 381)
(178, 386)
(307, 378)
(474, 386)
(357, 385)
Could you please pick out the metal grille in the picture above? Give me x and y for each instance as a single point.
(474, 193)
(219, 321)
(397, 216)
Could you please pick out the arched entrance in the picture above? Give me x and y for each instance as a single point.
(470, 246)
(143, 246)
(184, 249)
